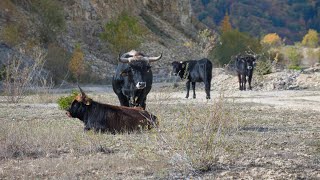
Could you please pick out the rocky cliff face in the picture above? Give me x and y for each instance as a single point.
(176, 12)
(168, 22)
(86, 19)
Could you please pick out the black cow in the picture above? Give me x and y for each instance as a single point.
(244, 65)
(133, 78)
(108, 118)
(194, 71)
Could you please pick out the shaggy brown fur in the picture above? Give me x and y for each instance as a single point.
(105, 117)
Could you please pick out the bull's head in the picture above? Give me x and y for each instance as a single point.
(177, 67)
(251, 62)
(79, 105)
(138, 67)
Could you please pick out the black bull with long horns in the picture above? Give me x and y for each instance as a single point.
(132, 80)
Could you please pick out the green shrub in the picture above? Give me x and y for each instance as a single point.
(51, 19)
(294, 57)
(64, 102)
(263, 67)
(11, 34)
(232, 43)
(124, 33)
(295, 67)
(57, 61)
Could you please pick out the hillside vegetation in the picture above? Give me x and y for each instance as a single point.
(291, 19)
(81, 40)
(64, 28)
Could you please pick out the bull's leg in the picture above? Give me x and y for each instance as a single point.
(143, 103)
(240, 81)
(194, 89)
(249, 81)
(243, 82)
(86, 128)
(188, 88)
(141, 100)
(123, 100)
(244, 77)
(207, 87)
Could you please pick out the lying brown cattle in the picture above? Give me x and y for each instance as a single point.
(105, 117)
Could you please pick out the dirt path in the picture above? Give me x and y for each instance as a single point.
(297, 100)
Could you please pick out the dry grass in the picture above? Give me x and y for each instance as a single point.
(207, 139)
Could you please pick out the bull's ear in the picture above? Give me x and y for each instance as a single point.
(87, 101)
(79, 98)
(123, 73)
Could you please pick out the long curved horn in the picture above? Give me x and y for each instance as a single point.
(123, 59)
(81, 91)
(154, 59)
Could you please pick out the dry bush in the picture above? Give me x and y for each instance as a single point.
(312, 57)
(201, 137)
(190, 135)
(22, 76)
(294, 57)
(206, 42)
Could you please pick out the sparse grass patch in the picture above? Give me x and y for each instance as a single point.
(191, 136)
(49, 138)
(196, 138)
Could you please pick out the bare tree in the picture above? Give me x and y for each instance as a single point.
(206, 41)
(23, 75)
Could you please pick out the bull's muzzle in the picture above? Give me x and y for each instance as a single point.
(68, 114)
(141, 85)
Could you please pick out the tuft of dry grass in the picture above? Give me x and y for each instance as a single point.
(192, 134)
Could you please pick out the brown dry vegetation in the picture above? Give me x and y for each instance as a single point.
(250, 135)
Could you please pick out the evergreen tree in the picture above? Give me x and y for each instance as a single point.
(225, 24)
(233, 43)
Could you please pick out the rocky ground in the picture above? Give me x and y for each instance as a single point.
(308, 78)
